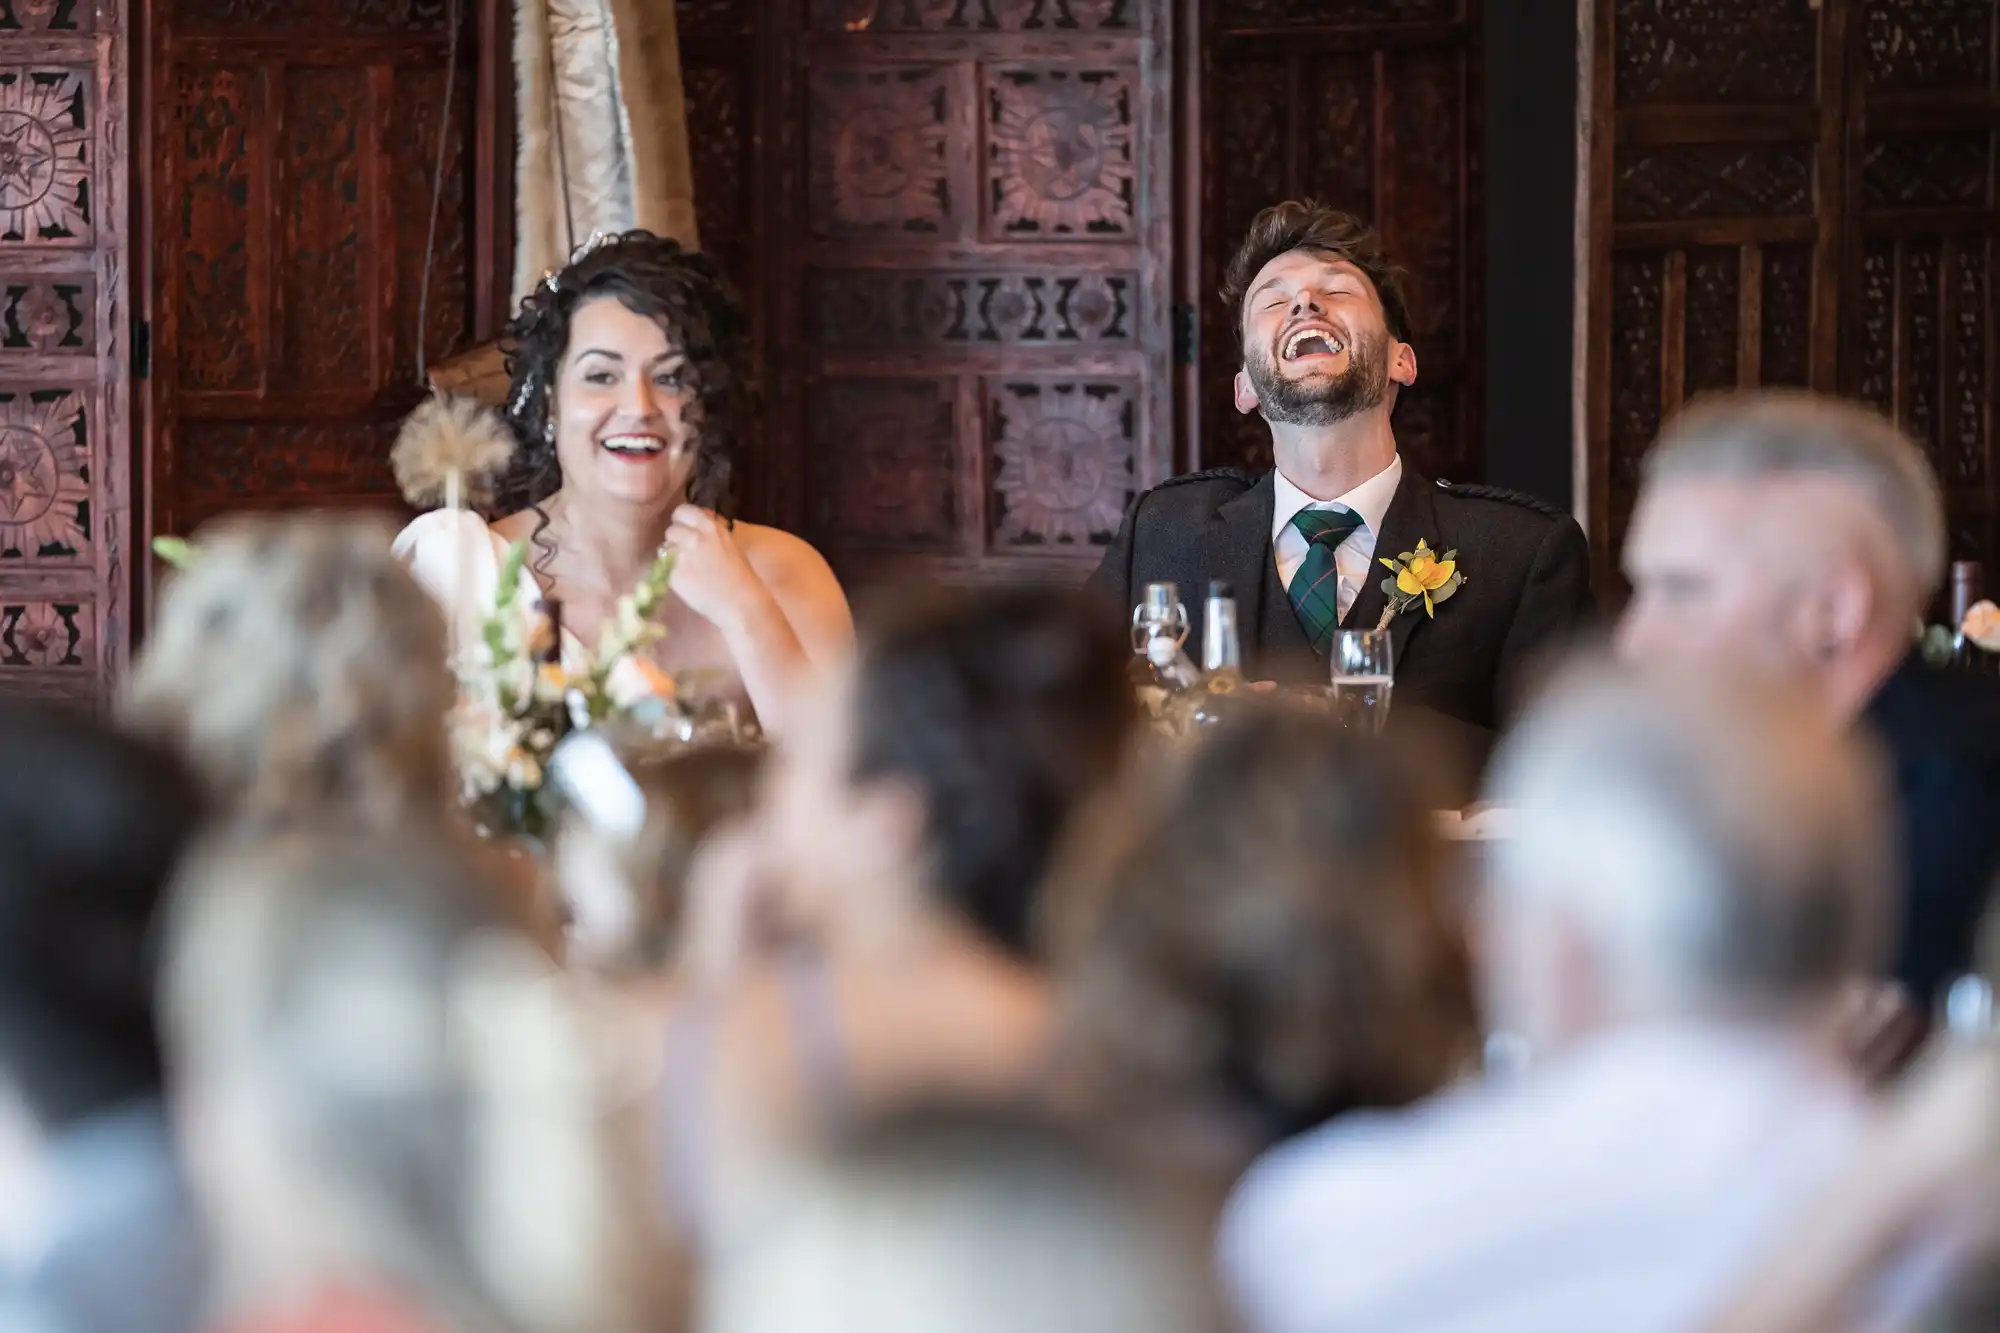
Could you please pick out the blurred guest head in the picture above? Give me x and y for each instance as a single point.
(1789, 532)
(955, 1222)
(302, 671)
(96, 1231)
(626, 890)
(1272, 945)
(91, 826)
(1686, 849)
(383, 1088)
(952, 761)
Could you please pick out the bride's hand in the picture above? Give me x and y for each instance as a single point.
(711, 573)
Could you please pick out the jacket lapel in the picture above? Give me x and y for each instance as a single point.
(1411, 517)
(1239, 550)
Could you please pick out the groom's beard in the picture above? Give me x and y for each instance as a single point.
(1320, 401)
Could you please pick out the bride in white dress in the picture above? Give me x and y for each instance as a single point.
(627, 376)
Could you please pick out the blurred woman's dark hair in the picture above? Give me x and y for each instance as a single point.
(1270, 943)
(1006, 710)
(92, 825)
(681, 290)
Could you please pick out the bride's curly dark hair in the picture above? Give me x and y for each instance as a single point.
(652, 276)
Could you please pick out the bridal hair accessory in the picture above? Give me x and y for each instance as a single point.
(449, 453)
(552, 280)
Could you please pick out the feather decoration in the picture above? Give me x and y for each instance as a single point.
(450, 452)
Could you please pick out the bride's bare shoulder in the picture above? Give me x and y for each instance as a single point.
(804, 586)
(781, 557)
(516, 527)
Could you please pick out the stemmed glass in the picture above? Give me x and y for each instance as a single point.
(1364, 670)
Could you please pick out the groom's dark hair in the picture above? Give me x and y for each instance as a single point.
(1006, 710)
(1307, 224)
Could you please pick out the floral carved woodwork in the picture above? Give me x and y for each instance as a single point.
(65, 442)
(1711, 51)
(45, 634)
(879, 150)
(53, 17)
(1682, 181)
(1785, 353)
(886, 462)
(44, 475)
(1064, 454)
(1926, 170)
(888, 308)
(1060, 152)
(1928, 45)
(49, 315)
(223, 461)
(212, 112)
(982, 311)
(291, 217)
(973, 15)
(45, 155)
(1799, 193)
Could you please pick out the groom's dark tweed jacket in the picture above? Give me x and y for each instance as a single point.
(1526, 591)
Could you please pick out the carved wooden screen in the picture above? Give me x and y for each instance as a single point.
(65, 492)
(293, 144)
(1920, 326)
(1369, 105)
(1790, 193)
(1716, 135)
(971, 356)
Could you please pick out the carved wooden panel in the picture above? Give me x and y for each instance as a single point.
(887, 471)
(1027, 16)
(1710, 264)
(1795, 193)
(1063, 453)
(980, 311)
(290, 197)
(1921, 346)
(1367, 105)
(65, 406)
(45, 466)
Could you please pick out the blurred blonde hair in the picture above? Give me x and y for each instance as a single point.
(300, 669)
(381, 1079)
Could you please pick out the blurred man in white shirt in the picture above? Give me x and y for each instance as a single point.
(1696, 872)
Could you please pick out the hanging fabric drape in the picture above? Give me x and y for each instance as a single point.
(602, 128)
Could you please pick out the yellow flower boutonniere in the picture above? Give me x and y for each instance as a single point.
(1421, 575)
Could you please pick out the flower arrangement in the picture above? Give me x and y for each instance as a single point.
(517, 698)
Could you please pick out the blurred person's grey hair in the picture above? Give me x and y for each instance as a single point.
(1718, 844)
(1770, 433)
(302, 672)
(965, 1221)
(380, 1080)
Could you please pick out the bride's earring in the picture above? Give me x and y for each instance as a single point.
(549, 430)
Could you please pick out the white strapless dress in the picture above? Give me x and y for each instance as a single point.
(457, 557)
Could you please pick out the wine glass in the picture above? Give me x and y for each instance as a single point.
(1364, 669)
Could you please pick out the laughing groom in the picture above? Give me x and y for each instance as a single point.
(1325, 352)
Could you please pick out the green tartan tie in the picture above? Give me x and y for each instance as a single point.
(1315, 587)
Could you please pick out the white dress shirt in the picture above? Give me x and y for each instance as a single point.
(1353, 558)
(1629, 1185)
